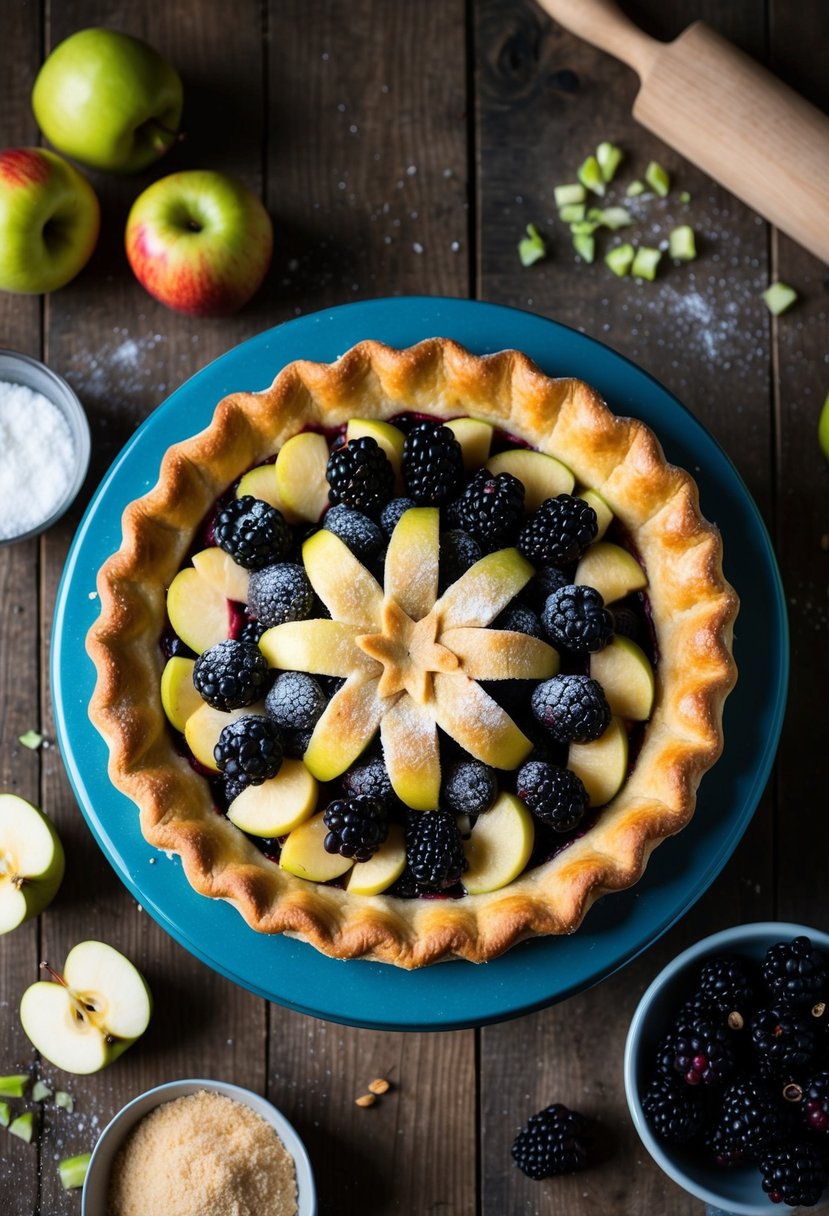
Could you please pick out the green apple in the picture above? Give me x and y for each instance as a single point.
(23, 1126)
(604, 513)
(277, 806)
(484, 590)
(348, 724)
(475, 438)
(198, 610)
(542, 476)
(108, 100)
(411, 753)
(341, 581)
(625, 673)
(73, 1170)
(202, 729)
(49, 220)
(494, 654)
(301, 482)
(179, 698)
(500, 845)
(326, 648)
(386, 436)
(304, 854)
(474, 720)
(410, 571)
(261, 483)
(602, 764)
(92, 1013)
(31, 861)
(384, 868)
(611, 570)
(218, 567)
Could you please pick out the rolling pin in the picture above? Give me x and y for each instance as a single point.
(725, 113)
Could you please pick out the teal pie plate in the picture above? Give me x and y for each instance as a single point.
(535, 973)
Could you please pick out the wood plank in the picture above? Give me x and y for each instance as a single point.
(376, 210)
(124, 353)
(703, 331)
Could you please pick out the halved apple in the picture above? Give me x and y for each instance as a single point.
(301, 483)
(178, 694)
(303, 853)
(385, 867)
(499, 846)
(219, 569)
(611, 570)
(31, 861)
(199, 612)
(385, 435)
(261, 483)
(277, 806)
(625, 673)
(602, 765)
(475, 438)
(541, 475)
(202, 729)
(604, 513)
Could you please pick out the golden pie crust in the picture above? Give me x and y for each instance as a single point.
(692, 605)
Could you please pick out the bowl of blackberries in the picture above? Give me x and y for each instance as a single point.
(727, 1068)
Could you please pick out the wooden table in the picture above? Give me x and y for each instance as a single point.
(401, 148)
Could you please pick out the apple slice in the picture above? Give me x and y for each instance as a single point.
(198, 611)
(385, 867)
(348, 724)
(501, 654)
(304, 854)
(611, 570)
(219, 569)
(202, 729)
(625, 673)
(484, 590)
(261, 483)
(277, 806)
(604, 513)
(410, 573)
(541, 475)
(603, 764)
(411, 753)
(31, 861)
(341, 581)
(301, 483)
(326, 648)
(385, 435)
(92, 1013)
(481, 727)
(178, 694)
(475, 438)
(500, 845)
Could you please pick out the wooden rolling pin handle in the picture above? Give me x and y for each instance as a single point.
(602, 23)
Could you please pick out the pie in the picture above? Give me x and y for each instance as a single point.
(414, 655)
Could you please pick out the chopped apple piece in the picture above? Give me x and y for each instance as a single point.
(625, 673)
(386, 436)
(475, 438)
(611, 570)
(14, 1086)
(604, 515)
(178, 694)
(385, 867)
(602, 765)
(198, 611)
(501, 654)
(541, 475)
(347, 726)
(23, 1126)
(484, 590)
(341, 581)
(303, 853)
(5, 1114)
(301, 483)
(410, 575)
(411, 753)
(41, 1091)
(481, 727)
(500, 845)
(277, 806)
(219, 568)
(202, 729)
(326, 648)
(261, 483)
(73, 1170)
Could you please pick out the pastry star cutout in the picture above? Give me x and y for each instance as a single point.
(411, 661)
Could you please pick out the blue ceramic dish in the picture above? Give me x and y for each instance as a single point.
(534, 973)
(731, 1192)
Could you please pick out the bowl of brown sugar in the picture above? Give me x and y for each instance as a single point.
(197, 1146)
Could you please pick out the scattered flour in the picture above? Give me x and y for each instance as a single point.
(36, 458)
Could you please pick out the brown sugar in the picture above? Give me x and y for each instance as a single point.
(202, 1153)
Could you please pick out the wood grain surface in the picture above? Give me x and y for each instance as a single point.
(401, 149)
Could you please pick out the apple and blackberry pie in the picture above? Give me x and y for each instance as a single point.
(414, 655)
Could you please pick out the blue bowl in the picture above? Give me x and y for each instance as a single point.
(735, 1192)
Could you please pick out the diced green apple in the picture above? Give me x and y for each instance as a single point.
(611, 570)
(475, 438)
(304, 854)
(602, 765)
(178, 694)
(301, 483)
(14, 1086)
(40, 1091)
(73, 1170)
(542, 476)
(260, 483)
(385, 435)
(384, 868)
(500, 845)
(31, 864)
(219, 569)
(277, 806)
(198, 611)
(23, 1126)
(625, 673)
(5, 1114)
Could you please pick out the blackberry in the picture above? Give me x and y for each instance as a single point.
(547, 580)
(469, 787)
(491, 508)
(371, 778)
(722, 1148)
(574, 709)
(295, 743)
(458, 553)
(296, 701)
(630, 623)
(280, 593)
(361, 534)
(519, 619)
(794, 1174)
(672, 1110)
(252, 532)
(233, 789)
(432, 464)
(784, 1042)
(796, 972)
(360, 475)
(554, 1141)
(434, 853)
(251, 631)
(392, 513)
(555, 795)
(559, 531)
(726, 984)
(357, 826)
(576, 620)
(703, 1051)
(249, 750)
(750, 1120)
(231, 674)
(815, 1106)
